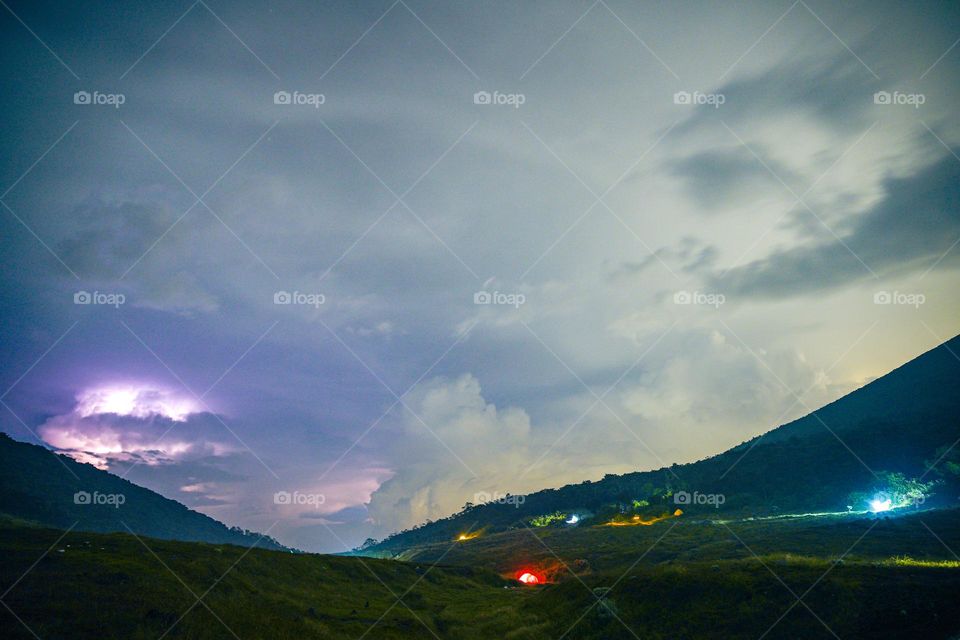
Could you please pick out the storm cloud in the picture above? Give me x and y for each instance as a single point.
(366, 281)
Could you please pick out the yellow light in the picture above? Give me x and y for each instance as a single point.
(637, 520)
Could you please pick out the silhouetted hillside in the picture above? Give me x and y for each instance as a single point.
(54, 490)
(900, 427)
(926, 387)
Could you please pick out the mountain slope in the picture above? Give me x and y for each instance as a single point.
(926, 387)
(54, 490)
(897, 427)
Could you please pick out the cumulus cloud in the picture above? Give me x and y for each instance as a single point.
(474, 447)
(703, 391)
(715, 387)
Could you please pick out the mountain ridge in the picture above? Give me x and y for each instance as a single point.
(50, 489)
(923, 370)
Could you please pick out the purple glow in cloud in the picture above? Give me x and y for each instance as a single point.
(125, 423)
(139, 402)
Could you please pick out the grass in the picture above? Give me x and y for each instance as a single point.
(114, 586)
(749, 598)
(907, 561)
(602, 548)
(673, 579)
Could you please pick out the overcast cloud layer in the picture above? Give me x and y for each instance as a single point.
(683, 215)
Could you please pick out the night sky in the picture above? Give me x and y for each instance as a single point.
(387, 256)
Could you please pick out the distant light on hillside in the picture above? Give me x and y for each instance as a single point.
(881, 503)
(528, 578)
(573, 519)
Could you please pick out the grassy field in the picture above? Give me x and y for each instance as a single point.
(699, 580)
(114, 586)
(602, 548)
(757, 598)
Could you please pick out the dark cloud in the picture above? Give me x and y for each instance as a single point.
(690, 254)
(726, 177)
(107, 438)
(837, 90)
(105, 239)
(907, 231)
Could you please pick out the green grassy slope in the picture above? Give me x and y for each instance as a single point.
(591, 549)
(112, 586)
(698, 582)
(747, 599)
